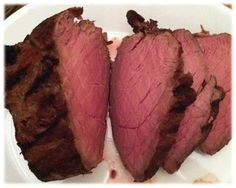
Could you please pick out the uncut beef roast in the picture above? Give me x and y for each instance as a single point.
(217, 51)
(199, 116)
(56, 89)
(149, 94)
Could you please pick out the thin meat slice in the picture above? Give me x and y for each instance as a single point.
(194, 61)
(217, 51)
(194, 127)
(149, 94)
(57, 97)
(198, 117)
(85, 78)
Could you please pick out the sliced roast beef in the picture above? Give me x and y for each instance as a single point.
(217, 51)
(195, 126)
(149, 94)
(198, 117)
(193, 58)
(57, 92)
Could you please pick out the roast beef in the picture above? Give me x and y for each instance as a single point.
(199, 116)
(57, 92)
(149, 94)
(217, 51)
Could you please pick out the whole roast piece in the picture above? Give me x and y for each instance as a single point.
(57, 84)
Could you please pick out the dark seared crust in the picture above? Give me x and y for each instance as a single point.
(11, 81)
(216, 102)
(34, 96)
(215, 105)
(59, 158)
(12, 52)
(47, 68)
(138, 23)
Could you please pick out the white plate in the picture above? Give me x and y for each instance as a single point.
(112, 19)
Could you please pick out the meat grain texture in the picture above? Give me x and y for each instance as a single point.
(147, 132)
(170, 93)
(199, 116)
(147, 99)
(57, 92)
(217, 51)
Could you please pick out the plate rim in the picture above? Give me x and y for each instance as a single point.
(9, 20)
(24, 10)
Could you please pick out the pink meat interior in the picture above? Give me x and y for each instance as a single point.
(84, 70)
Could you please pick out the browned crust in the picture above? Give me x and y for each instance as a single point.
(34, 96)
(138, 23)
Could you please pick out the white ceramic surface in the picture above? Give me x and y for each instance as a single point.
(198, 167)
